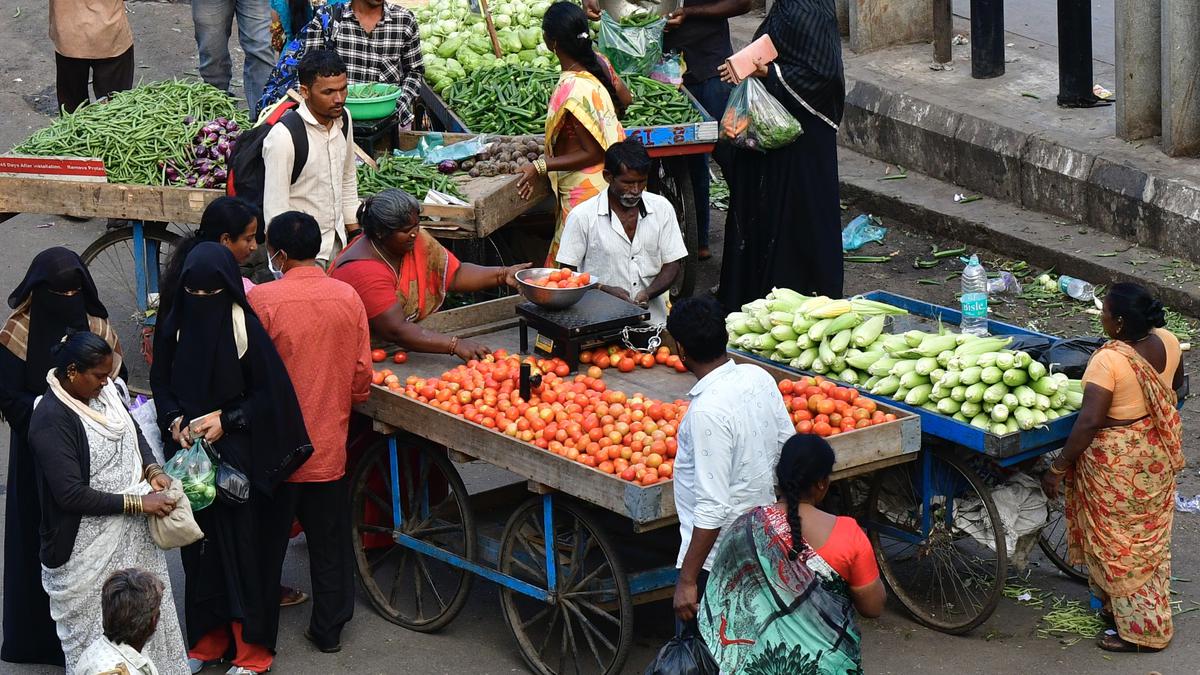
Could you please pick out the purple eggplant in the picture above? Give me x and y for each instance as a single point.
(223, 147)
(447, 166)
(189, 120)
(220, 174)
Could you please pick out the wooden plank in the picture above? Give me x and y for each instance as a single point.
(154, 203)
(462, 318)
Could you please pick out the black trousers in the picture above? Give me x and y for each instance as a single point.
(324, 511)
(106, 75)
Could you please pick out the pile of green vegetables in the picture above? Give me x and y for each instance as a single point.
(138, 133)
(410, 174)
(639, 20)
(512, 101)
(455, 41)
(975, 380)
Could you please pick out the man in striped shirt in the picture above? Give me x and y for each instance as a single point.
(379, 43)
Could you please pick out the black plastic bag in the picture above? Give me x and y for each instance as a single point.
(1034, 345)
(685, 654)
(1071, 356)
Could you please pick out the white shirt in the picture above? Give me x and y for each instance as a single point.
(103, 656)
(595, 242)
(729, 443)
(327, 188)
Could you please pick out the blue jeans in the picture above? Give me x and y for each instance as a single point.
(213, 20)
(713, 94)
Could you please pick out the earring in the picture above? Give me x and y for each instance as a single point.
(71, 377)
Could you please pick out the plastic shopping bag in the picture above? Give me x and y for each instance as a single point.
(670, 70)
(632, 49)
(685, 654)
(862, 230)
(754, 120)
(145, 414)
(196, 473)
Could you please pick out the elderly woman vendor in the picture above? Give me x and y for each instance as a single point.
(403, 275)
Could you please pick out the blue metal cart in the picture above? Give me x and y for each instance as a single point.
(572, 560)
(934, 524)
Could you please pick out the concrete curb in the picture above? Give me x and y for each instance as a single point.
(1044, 241)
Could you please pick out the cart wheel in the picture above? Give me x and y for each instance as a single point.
(676, 185)
(408, 588)
(587, 628)
(946, 577)
(112, 262)
(1053, 537)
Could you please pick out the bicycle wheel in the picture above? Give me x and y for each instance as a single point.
(1053, 537)
(675, 183)
(951, 576)
(129, 279)
(406, 587)
(587, 628)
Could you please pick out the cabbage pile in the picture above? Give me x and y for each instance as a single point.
(455, 40)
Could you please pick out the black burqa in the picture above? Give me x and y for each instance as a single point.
(786, 229)
(231, 574)
(29, 632)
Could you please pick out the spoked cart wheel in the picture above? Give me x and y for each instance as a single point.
(939, 541)
(406, 582)
(1053, 538)
(585, 626)
(674, 181)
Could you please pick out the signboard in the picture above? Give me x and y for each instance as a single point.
(81, 169)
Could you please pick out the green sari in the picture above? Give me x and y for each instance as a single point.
(763, 614)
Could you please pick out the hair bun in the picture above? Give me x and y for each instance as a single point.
(1156, 314)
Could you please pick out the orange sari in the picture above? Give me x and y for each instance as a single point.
(1120, 504)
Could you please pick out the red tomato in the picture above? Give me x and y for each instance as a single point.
(625, 365)
(378, 355)
(400, 357)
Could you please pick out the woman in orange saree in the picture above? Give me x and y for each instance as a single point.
(1119, 467)
(583, 119)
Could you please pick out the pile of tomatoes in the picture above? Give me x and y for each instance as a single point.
(563, 278)
(631, 437)
(626, 360)
(818, 406)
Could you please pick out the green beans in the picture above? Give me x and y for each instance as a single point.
(137, 132)
(513, 100)
(412, 175)
(639, 20)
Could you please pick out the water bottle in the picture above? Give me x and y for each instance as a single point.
(1076, 288)
(974, 299)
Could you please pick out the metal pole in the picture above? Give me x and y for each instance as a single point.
(1075, 54)
(987, 38)
(943, 28)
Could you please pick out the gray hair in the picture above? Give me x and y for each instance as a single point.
(130, 602)
(390, 210)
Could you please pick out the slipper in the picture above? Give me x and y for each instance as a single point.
(704, 253)
(327, 650)
(290, 597)
(1114, 643)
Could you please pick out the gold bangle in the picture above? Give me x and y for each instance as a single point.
(539, 165)
(453, 345)
(1057, 471)
(152, 471)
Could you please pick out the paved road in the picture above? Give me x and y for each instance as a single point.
(478, 642)
(1038, 20)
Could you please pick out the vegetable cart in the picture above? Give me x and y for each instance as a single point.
(937, 533)
(669, 145)
(421, 537)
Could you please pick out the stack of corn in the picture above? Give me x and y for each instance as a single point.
(812, 334)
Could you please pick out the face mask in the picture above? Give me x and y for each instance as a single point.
(629, 201)
(277, 273)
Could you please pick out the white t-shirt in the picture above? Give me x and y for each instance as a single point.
(595, 242)
(729, 444)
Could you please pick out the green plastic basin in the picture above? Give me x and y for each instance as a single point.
(372, 101)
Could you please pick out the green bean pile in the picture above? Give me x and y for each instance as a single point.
(512, 100)
(137, 132)
(410, 174)
(639, 20)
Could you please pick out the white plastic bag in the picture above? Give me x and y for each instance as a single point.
(146, 416)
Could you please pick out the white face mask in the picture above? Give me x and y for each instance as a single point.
(277, 273)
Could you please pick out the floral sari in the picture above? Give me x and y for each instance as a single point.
(584, 97)
(764, 614)
(1120, 498)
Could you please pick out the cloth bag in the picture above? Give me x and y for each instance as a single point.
(179, 528)
(755, 120)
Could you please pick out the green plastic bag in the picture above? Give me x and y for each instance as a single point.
(196, 472)
(632, 50)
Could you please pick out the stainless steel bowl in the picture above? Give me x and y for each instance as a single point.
(550, 298)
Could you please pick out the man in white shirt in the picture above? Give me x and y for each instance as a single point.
(729, 444)
(626, 238)
(327, 187)
(129, 606)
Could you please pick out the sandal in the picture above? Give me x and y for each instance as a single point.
(1114, 643)
(290, 597)
(704, 253)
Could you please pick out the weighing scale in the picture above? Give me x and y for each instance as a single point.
(597, 319)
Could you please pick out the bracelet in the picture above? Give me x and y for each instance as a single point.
(133, 504)
(1055, 471)
(453, 345)
(152, 471)
(539, 165)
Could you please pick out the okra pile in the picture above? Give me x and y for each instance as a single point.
(513, 100)
(138, 133)
(975, 380)
(410, 174)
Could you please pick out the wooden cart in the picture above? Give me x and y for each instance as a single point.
(420, 536)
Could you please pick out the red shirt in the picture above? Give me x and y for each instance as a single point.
(320, 329)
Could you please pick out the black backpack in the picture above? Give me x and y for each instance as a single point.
(247, 173)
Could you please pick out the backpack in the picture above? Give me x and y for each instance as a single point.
(247, 171)
(285, 75)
